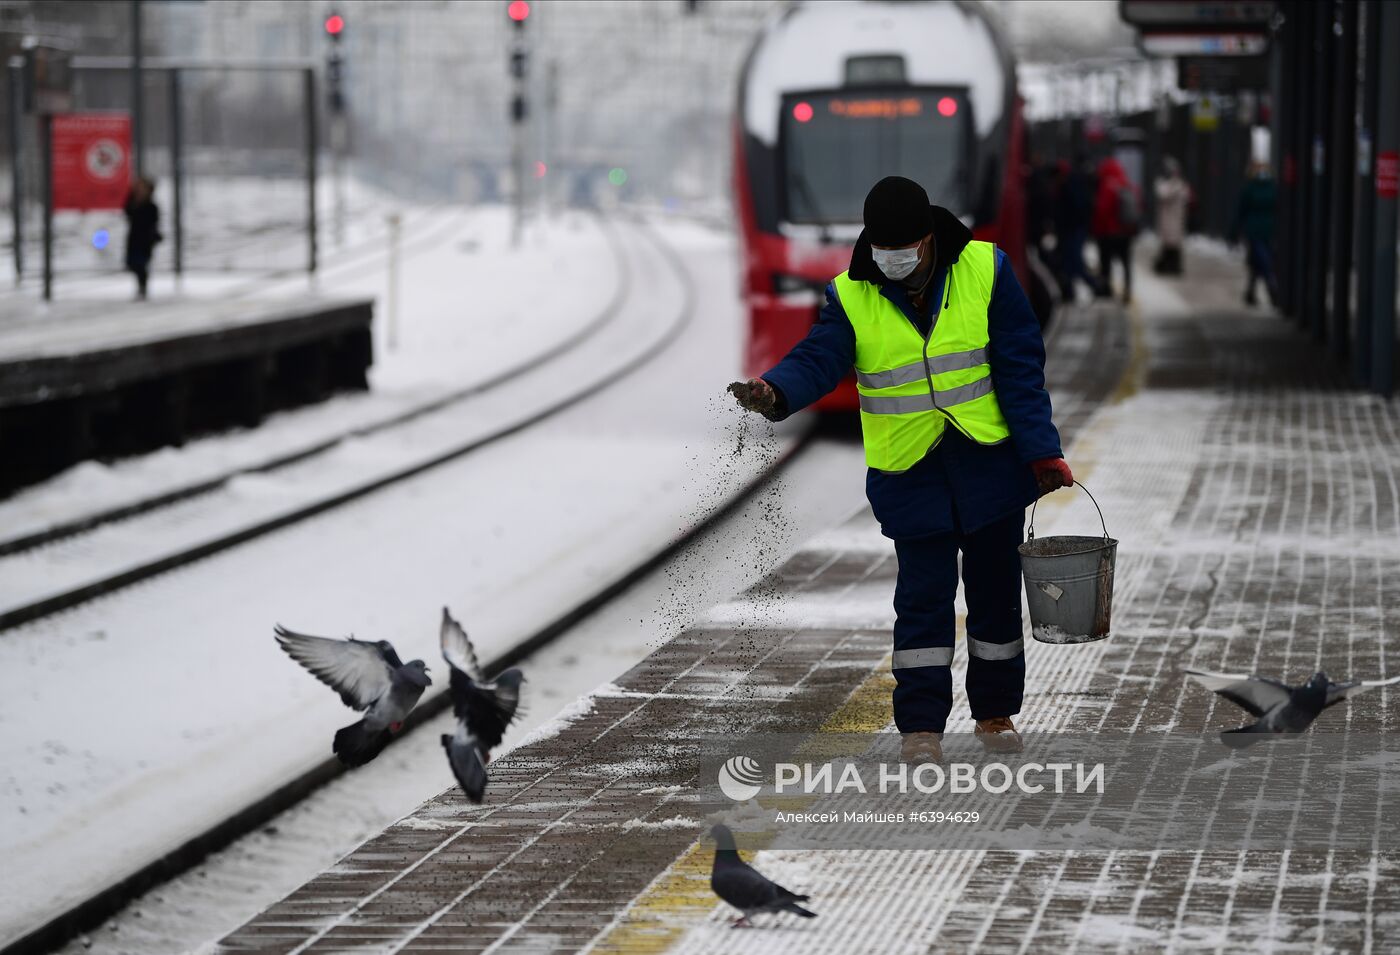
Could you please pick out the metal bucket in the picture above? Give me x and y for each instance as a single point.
(1069, 584)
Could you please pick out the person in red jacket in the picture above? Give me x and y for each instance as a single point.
(1117, 218)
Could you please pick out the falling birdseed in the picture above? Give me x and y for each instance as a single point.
(742, 446)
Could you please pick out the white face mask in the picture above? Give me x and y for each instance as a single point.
(896, 263)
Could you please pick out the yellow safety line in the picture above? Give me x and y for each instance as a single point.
(1135, 375)
(681, 896)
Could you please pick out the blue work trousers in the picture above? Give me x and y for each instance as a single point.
(925, 624)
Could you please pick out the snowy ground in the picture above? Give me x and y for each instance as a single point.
(248, 224)
(199, 711)
(447, 341)
(217, 896)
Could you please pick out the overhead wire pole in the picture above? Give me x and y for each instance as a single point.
(177, 171)
(46, 173)
(1387, 179)
(519, 12)
(1365, 185)
(1344, 29)
(16, 77)
(138, 112)
(547, 146)
(309, 96)
(335, 101)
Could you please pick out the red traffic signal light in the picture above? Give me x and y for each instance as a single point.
(518, 10)
(334, 24)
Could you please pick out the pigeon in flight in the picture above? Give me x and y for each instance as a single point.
(369, 677)
(483, 709)
(744, 887)
(1280, 708)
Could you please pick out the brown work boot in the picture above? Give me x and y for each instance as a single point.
(998, 735)
(921, 748)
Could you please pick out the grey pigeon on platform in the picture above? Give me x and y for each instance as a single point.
(369, 677)
(744, 887)
(483, 709)
(1280, 708)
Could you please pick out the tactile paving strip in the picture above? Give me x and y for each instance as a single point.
(577, 825)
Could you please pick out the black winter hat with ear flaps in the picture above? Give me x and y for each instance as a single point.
(897, 212)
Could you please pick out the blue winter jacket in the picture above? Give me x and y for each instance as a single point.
(959, 483)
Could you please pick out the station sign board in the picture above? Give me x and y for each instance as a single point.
(1222, 74)
(1205, 115)
(48, 80)
(1196, 13)
(1204, 44)
(91, 160)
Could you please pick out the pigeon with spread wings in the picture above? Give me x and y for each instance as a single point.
(483, 709)
(369, 677)
(1279, 708)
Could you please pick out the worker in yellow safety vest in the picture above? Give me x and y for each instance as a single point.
(950, 372)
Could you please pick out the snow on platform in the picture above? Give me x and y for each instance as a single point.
(200, 714)
(1255, 498)
(441, 345)
(599, 788)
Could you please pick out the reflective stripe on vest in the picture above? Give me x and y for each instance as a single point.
(910, 387)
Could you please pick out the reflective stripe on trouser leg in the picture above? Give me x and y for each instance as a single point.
(922, 657)
(996, 665)
(923, 632)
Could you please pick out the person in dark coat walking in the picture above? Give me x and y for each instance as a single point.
(143, 230)
(1254, 219)
(1074, 206)
(955, 455)
(1117, 219)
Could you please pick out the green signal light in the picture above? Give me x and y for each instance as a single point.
(617, 175)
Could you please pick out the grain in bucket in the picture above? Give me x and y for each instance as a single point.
(1069, 583)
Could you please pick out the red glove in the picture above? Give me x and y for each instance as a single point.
(1052, 473)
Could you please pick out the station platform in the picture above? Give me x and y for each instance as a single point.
(90, 379)
(1254, 496)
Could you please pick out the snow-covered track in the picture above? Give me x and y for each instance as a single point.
(54, 570)
(102, 905)
(31, 539)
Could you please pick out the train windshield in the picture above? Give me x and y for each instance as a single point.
(837, 145)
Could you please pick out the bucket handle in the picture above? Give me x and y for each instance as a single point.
(1030, 534)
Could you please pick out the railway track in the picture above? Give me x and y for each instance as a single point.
(35, 557)
(29, 540)
(101, 905)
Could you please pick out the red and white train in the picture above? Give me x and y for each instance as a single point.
(840, 93)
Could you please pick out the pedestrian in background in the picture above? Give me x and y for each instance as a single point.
(950, 369)
(1173, 199)
(1074, 205)
(143, 230)
(1040, 209)
(1117, 219)
(1254, 220)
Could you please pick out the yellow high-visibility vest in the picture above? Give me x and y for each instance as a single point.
(911, 388)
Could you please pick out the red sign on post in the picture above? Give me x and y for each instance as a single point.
(91, 160)
(1388, 174)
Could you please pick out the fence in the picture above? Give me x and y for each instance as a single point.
(231, 146)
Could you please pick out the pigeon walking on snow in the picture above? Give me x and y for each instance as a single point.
(483, 709)
(1280, 708)
(744, 887)
(369, 677)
